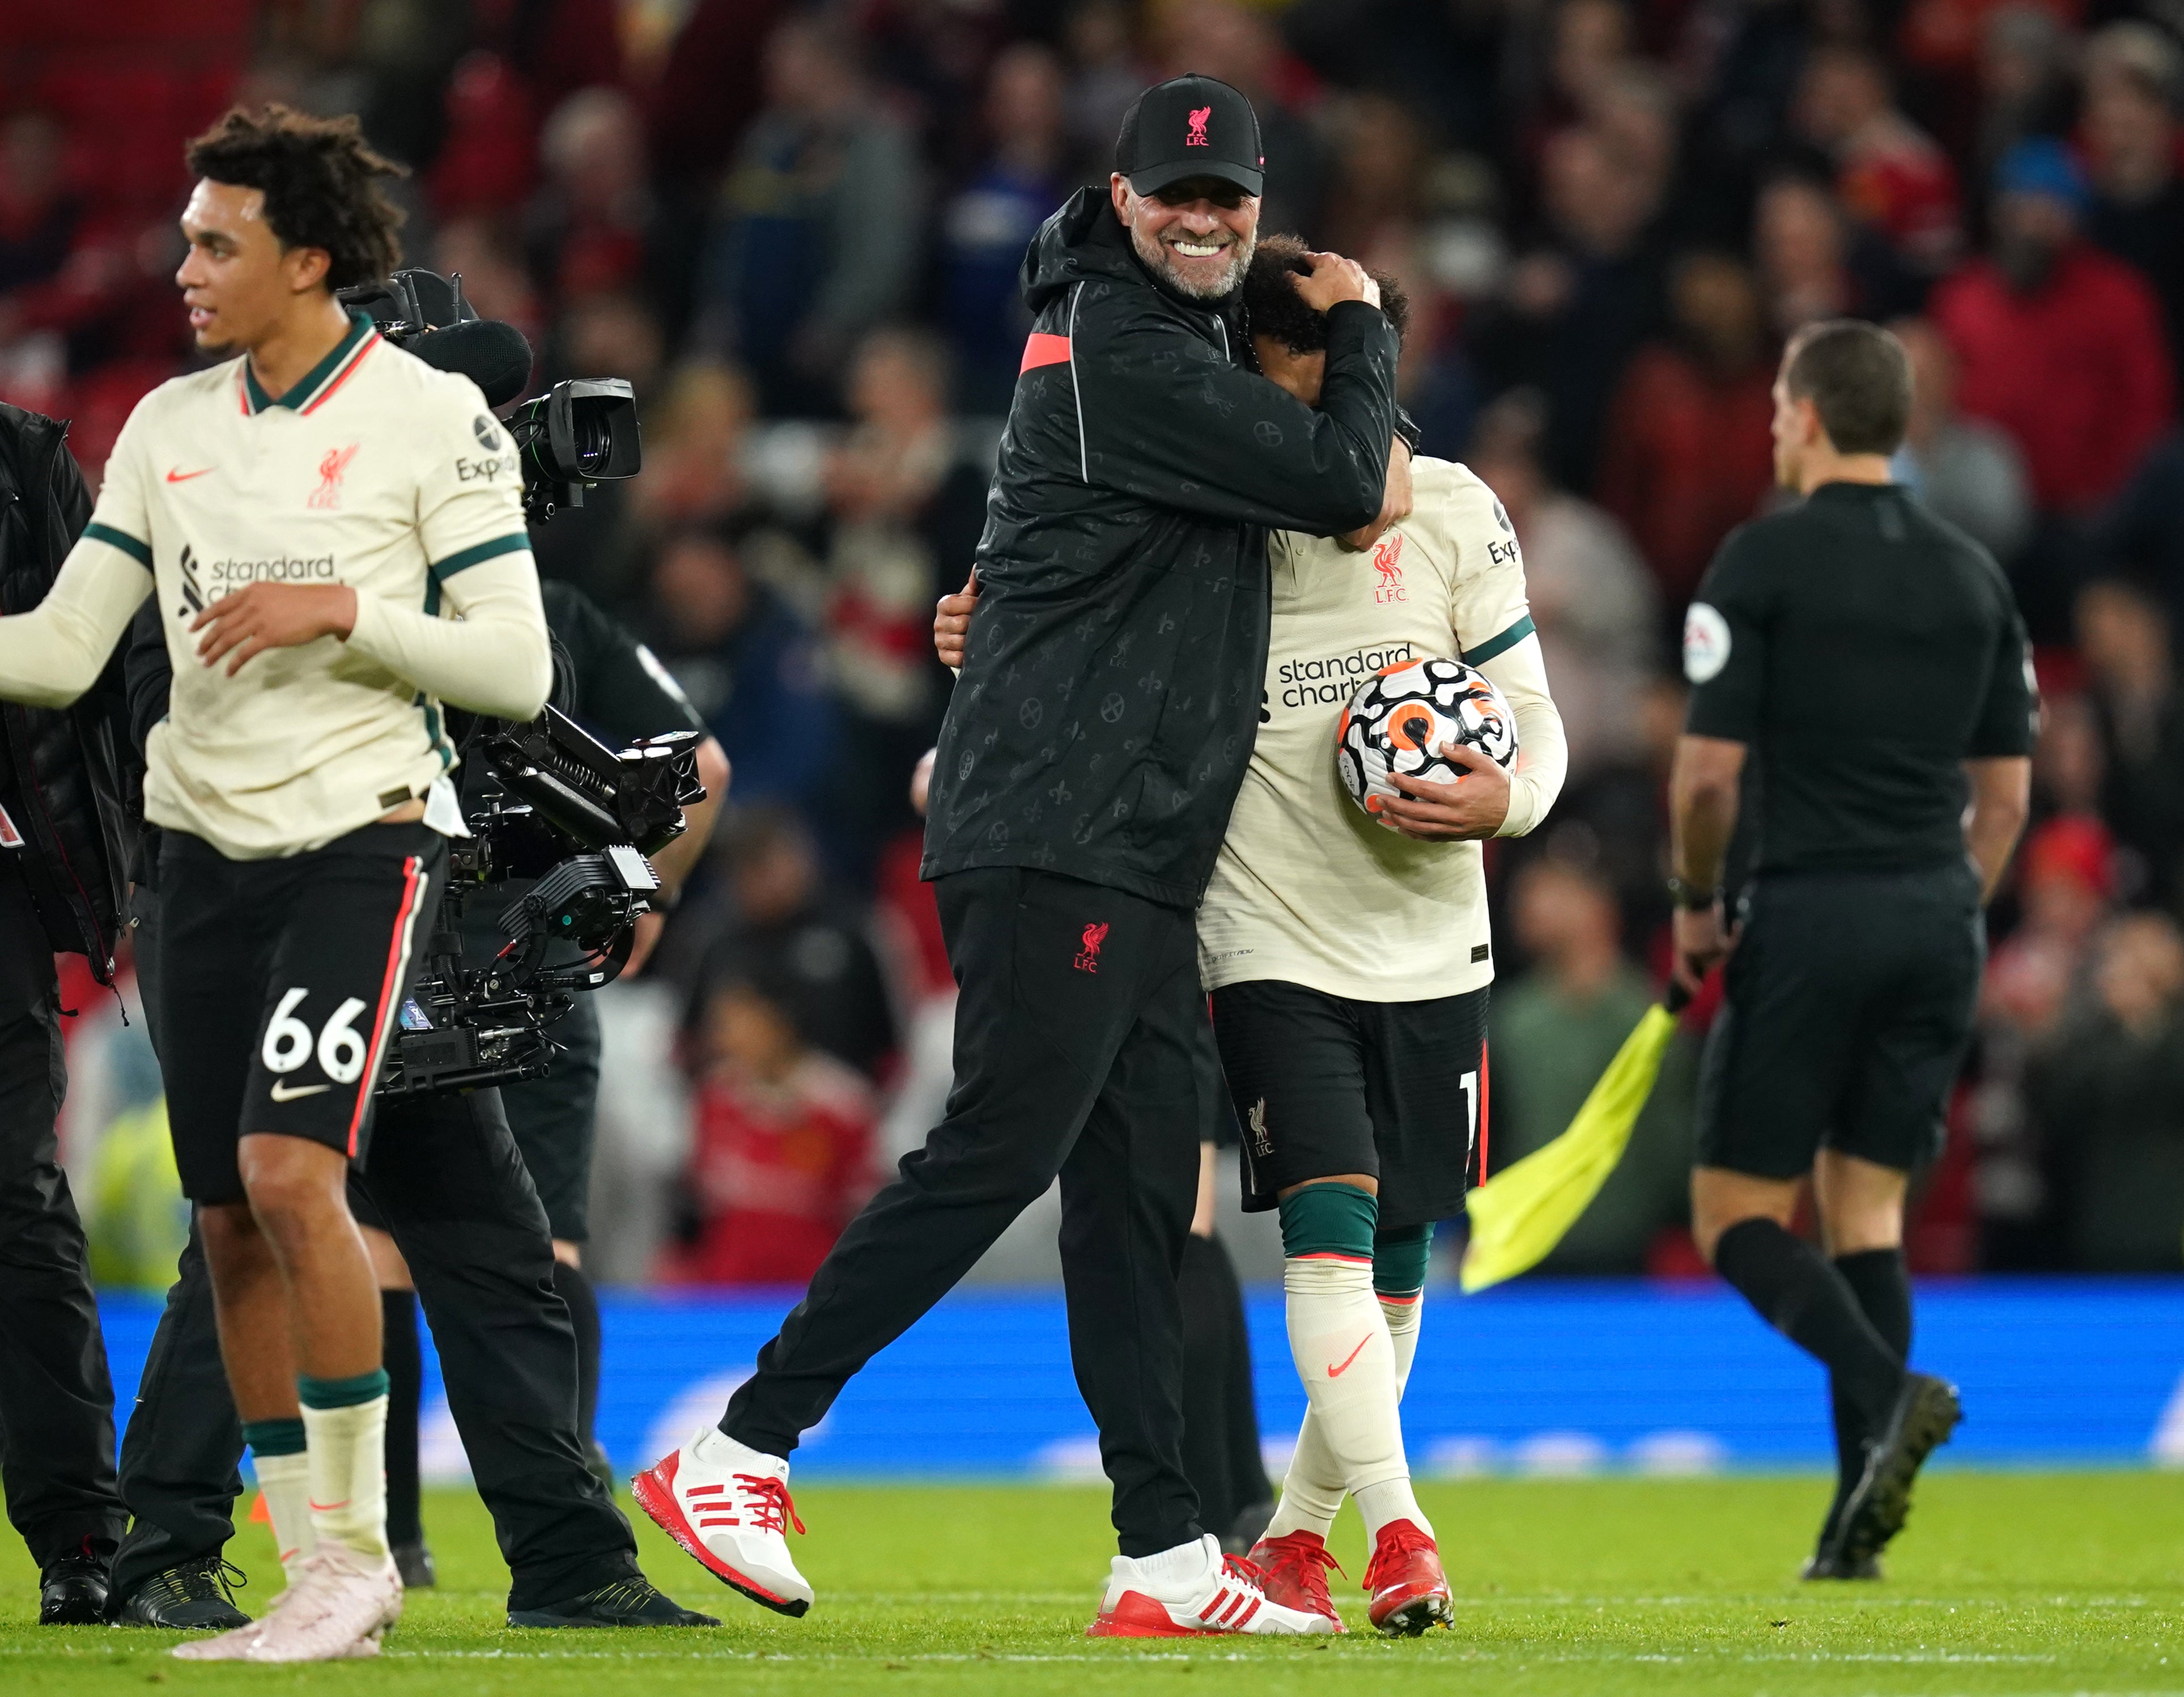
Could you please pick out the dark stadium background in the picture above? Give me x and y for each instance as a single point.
(795, 232)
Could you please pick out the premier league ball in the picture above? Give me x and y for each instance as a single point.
(1399, 722)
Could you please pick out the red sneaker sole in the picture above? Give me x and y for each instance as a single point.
(1122, 1629)
(1409, 1616)
(660, 1507)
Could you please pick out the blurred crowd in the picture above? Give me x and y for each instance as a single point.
(796, 229)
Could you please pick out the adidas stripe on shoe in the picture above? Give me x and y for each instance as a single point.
(1191, 1591)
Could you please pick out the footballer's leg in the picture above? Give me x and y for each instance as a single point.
(299, 1305)
(218, 929)
(1403, 1579)
(1293, 1552)
(1296, 1060)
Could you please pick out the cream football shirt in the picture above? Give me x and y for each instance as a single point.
(375, 470)
(1308, 889)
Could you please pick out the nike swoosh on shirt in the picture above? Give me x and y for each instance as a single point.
(281, 1092)
(175, 476)
(1337, 1372)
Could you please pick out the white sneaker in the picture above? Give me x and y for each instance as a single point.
(1191, 1589)
(729, 1505)
(336, 1611)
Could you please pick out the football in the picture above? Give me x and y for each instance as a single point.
(1399, 720)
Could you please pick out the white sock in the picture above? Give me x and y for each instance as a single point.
(1179, 1570)
(1313, 1489)
(1404, 1314)
(347, 1449)
(717, 1447)
(285, 1482)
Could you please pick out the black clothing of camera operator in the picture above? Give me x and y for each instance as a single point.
(610, 683)
(63, 860)
(444, 1180)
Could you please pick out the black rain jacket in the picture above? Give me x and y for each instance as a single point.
(61, 775)
(1110, 686)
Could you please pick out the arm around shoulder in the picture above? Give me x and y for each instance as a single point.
(1167, 418)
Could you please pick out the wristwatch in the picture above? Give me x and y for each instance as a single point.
(1691, 900)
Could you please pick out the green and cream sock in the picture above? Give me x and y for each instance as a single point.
(346, 1421)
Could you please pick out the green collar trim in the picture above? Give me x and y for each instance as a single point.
(301, 394)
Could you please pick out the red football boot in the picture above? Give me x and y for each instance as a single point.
(1409, 1591)
(1295, 1568)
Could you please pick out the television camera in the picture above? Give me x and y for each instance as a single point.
(578, 818)
(579, 433)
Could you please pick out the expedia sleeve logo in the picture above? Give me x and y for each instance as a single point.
(495, 466)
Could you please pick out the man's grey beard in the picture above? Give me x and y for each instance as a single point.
(1155, 253)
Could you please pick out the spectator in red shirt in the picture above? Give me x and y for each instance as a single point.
(1890, 174)
(2061, 344)
(783, 1150)
(1687, 457)
(586, 230)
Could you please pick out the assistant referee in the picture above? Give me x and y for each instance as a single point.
(1860, 670)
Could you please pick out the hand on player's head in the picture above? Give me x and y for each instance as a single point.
(1333, 279)
(951, 622)
(1472, 808)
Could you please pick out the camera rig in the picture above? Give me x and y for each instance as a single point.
(578, 818)
(582, 432)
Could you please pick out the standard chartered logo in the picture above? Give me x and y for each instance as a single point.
(233, 574)
(1336, 678)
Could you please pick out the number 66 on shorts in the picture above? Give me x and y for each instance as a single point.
(341, 1047)
(275, 983)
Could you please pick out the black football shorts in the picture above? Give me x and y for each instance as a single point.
(1323, 1085)
(279, 981)
(1846, 1007)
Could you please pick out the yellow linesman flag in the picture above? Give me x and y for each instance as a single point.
(1524, 1211)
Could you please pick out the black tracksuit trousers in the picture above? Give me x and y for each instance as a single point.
(56, 1400)
(1072, 1057)
(445, 1179)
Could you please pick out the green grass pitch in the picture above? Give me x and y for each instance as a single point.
(2018, 1583)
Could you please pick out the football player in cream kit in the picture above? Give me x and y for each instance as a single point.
(334, 537)
(1349, 963)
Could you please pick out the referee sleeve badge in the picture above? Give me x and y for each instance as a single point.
(1705, 643)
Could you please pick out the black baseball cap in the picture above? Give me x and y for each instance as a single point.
(1192, 126)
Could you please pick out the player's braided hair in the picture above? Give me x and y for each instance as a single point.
(1273, 308)
(320, 179)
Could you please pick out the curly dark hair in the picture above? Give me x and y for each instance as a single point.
(1275, 308)
(320, 178)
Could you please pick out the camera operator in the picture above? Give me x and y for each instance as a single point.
(610, 682)
(445, 1205)
(324, 576)
(62, 861)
